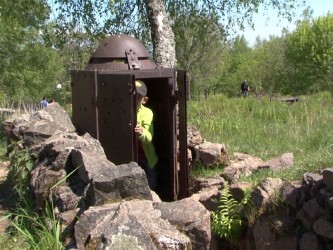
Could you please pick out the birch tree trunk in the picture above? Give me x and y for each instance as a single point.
(162, 34)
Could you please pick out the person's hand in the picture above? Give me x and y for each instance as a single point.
(138, 129)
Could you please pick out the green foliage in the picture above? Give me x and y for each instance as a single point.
(198, 34)
(130, 17)
(21, 164)
(310, 53)
(200, 29)
(45, 51)
(270, 73)
(235, 67)
(29, 67)
(227, 221)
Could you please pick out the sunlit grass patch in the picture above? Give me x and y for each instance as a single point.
(267, 129)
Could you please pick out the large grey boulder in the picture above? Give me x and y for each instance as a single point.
(309, 241)
(193, 136)
(323, 227)
(276, 234)
(266, 192)
(55, 151)
(209, 154)
(282, 162)
(241, 165)
(108, 182)
(194, 221)
(34, 129)
(131, 224)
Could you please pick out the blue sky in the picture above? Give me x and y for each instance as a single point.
(273, 26)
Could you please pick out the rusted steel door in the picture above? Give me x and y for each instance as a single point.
(84, 102)
(183, 172)
(116, 106)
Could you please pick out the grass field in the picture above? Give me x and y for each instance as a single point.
(267, 129)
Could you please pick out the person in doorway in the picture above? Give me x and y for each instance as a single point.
(43, 103)
(147, 157)
(245, 88)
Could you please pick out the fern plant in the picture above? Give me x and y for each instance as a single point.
(227, 221)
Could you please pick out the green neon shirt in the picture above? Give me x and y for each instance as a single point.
(145, 120)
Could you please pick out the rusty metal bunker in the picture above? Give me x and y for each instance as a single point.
(104, 105)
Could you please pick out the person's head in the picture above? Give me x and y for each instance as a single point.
(245, 81)
(141, 91)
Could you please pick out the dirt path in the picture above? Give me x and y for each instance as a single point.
(4, 196)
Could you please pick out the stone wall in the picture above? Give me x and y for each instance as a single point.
(294, 215)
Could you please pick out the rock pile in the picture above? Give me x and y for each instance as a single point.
(101, 205)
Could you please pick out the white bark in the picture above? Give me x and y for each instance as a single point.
(162, 34)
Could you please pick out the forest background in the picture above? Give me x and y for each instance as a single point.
(41, 41)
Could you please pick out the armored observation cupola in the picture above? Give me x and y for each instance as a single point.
(120, 52)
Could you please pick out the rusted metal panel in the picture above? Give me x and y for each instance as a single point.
(84, 113)
(116, 117)
(182, 137)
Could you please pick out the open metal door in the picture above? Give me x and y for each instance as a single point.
(117, 117)
(183, 171)
(84, 102)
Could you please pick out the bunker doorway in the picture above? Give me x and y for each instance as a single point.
(108, 113)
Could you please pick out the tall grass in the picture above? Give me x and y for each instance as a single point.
(35, 230)
(267, 129)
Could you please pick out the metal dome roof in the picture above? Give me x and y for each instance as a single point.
(120, 52)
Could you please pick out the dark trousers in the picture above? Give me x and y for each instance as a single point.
(151, 174)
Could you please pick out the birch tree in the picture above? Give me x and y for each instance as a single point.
(149, 20)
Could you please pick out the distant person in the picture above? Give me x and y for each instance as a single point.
(51, 101)
(43, 103)
(147, 158)
(245, 88)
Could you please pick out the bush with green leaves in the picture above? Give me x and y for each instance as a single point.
(21, 164)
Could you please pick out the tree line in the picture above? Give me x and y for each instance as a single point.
(296, 63)
(42, 40)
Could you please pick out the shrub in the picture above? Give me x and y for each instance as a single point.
(21, 164)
